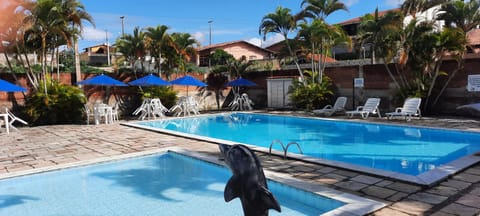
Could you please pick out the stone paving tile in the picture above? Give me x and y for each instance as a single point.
(472, 178)
(346, 173)
(378, 192)
(384, 183)
(460, 210)
(411, 207)
(326, 170)
(459, 185)
(397, 197)
(389, 212)
(403, 187)
(428, 198)
(351, 185)
(474, 171)
(366, 179)
(443, 190)
(469, 200)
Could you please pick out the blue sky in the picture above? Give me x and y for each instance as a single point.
(232, 20)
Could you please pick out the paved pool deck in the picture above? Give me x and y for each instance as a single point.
(38, 148)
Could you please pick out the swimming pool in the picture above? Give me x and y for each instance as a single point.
(405, 152)
(161, 184)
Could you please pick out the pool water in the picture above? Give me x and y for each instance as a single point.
(166, 184)
(406, 150)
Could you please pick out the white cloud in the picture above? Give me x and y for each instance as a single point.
(272, 40)
(394, 3)
(200, 37)
(349, 3)
(92, 34)
(255, 41)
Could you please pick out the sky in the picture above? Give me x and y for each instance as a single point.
(231, 20)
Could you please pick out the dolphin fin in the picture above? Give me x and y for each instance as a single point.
(231, 189)
(268, 199)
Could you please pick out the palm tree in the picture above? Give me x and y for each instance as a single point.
(74, 13)
(184, 45)
(464, 16)
(46, 20)
(132, 46)
(412, 7)
(460, 14)
(156, 38)
(281, 22)
(321, 9)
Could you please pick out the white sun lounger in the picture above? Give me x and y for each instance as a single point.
(370, 107)
(329, 110)
(411, 108)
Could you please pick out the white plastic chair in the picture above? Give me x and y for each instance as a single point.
(12, 118)
(410, 108)
(328, 110)
(88, 112)
(370, 107)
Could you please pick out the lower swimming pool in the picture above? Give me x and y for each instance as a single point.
(164, 184)
(393, 150)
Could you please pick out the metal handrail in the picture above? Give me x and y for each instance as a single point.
(285, 148)
(288, 145)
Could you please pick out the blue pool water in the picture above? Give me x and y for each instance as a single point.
(407, 150)
(166, 184)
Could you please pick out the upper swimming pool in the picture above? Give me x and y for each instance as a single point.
(395, 150)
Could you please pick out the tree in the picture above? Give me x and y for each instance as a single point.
(74, 13)
(132, 46)
(281, 22)
(184, 45)
(156, 38)
(320, 9)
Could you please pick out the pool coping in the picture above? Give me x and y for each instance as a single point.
(428, 178)
(354, 205)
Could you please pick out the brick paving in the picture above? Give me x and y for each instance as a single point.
(46, 146)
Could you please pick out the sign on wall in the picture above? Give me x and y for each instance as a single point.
(358, 82)
(473, 84)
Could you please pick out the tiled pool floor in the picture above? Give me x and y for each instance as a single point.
(45, 146)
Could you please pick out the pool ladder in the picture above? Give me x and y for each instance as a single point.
(284, 147)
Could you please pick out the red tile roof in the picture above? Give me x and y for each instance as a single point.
(231, 43)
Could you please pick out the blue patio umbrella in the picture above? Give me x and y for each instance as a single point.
(241, 82)
(188, 81)
(149, 80)
(101, 80)
(9, 87)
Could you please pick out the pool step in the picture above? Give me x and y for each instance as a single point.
(285, 148)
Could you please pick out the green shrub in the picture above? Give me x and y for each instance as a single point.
(166, 94)
(62, 105)
(312, 94)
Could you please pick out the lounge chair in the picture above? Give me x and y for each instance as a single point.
(13, 119)
(370, 107)
(411, 107)
(329, 110)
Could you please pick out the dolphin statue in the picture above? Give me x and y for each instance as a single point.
(248, 181)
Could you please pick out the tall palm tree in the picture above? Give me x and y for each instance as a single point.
(184, 45)
(460, 14)
(75, 14)
(412, 7)
(464, 16)
(156, 38)
(46, 20)
(281, 22)
(132, 46)
(320, 9)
